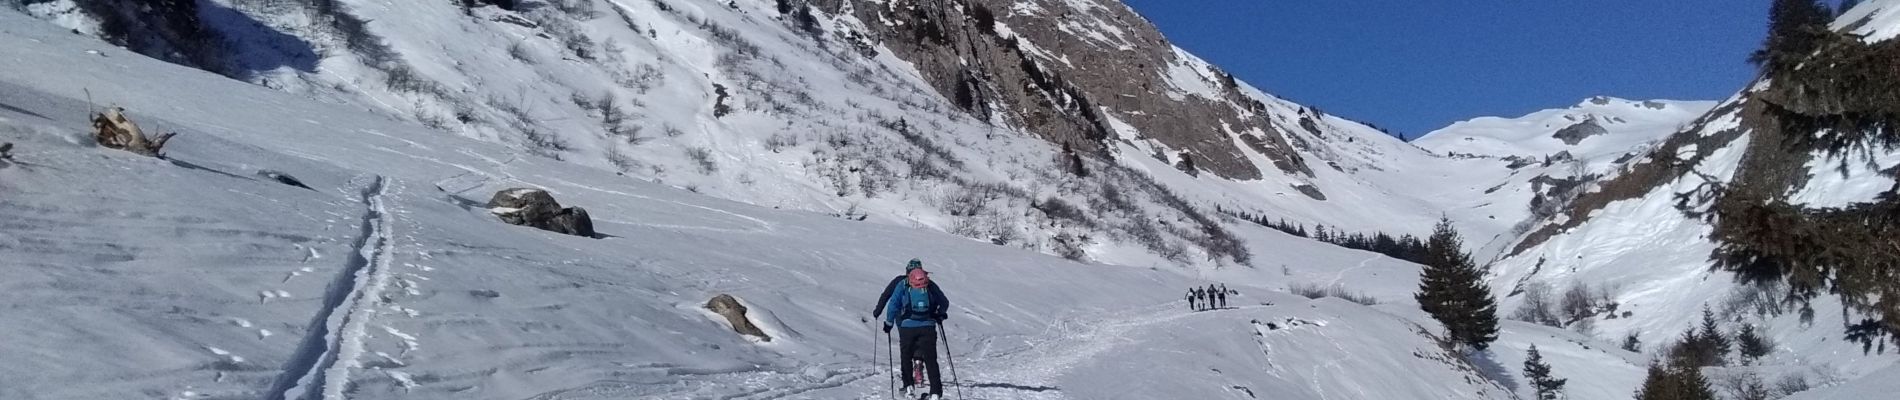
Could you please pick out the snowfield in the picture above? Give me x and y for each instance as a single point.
(206, 275)
(196, 278)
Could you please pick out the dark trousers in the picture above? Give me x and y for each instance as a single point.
(920, 344)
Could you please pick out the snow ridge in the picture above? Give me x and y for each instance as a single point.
(323, 361)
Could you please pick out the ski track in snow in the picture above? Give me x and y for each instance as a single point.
(1032, 374)
(1341, 276)
(1029, 373)
(335, 342)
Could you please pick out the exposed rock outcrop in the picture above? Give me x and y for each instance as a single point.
(536, 208)
(1571, 135)
(1066, 81)
(729, 307)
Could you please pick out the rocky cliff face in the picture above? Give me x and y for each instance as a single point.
(1070, 71)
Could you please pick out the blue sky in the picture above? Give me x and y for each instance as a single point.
(1413, 66)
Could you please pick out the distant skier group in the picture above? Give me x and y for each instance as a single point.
(1211, 297)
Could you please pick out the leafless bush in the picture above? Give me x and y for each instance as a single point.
(614, 119)
(1746, 385)
(1579, 303)
(581, 9)
(1070, 246)
(967, 201)
(1314, 291)
(910, 134)
(519, 52)
(1792, 383)
(921, 167)
(1057, 209)
(779, 141)
(621, 160)
(1760, 298)
(730, 38)
(570, 35)
(400, 77)
(1537, 307)
(703, 159)
(874, 177)
(642, 79)
(966, 227)
(544, 143)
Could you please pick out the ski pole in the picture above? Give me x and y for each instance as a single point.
(891, 360)
(874, 348)
(944, 333)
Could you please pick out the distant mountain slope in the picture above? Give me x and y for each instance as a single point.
(1590, 130)
(1680, 228)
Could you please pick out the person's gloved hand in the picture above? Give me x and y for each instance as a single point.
(887, 327)
(941, 316)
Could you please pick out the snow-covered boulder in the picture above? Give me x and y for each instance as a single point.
(727, 306)
(536, 208)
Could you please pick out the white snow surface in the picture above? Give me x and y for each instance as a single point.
(1878, 20)
(1651, 259)
(1841, 180)
(389, 278)
(1630, 124)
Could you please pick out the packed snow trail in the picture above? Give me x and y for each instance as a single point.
(334, 343)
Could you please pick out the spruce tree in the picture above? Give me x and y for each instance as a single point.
(1751, 344)
(1452, 290)
(1535, 370)
(1675, 382)
(1715, 344)
(1795, 29)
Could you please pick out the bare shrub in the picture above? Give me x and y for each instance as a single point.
(728, 37)
(1314, 291)
(581, 9)
(967, 201)
(519, 52)
(544, 143)
(702, 158)
(1537, 307)
(1057, 209)
(1746, 385)
(1071, 246)
(613, 119)
(1792, 383)
(779, 141)
(1578, 303)
(621, 160)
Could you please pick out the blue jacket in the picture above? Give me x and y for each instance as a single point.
(897, 310)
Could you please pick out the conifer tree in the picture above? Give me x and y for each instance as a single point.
(1795, 29)
(1535, 370)
(1674, 383)
(1452, 290)
(1715, 344)
(1751, 344)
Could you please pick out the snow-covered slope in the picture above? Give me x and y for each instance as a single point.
(837, 107)
(196, 277)
(1594, 129)
(1643, 236)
